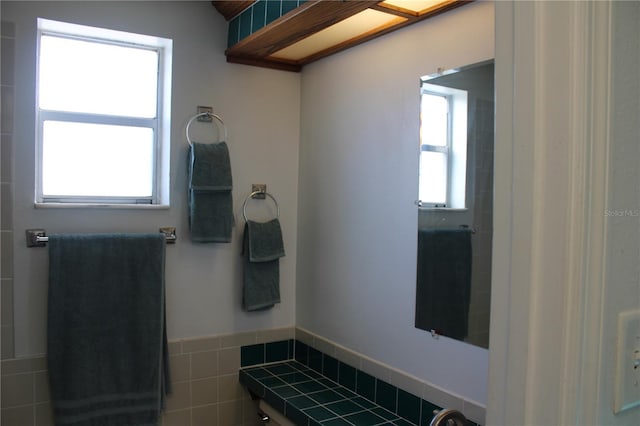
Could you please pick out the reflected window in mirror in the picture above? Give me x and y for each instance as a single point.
(443, 147)
(453, 280)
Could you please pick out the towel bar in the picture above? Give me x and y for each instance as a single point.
(210, 115)
(38, 237)
(255, 193)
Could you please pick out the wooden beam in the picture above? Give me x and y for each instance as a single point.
(231, 9)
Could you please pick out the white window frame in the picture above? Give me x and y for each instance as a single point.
(160, 124)
(455, 150)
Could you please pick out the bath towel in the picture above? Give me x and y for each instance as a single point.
(106, 341)
(209, 194)
(262, 248)
(443, 288)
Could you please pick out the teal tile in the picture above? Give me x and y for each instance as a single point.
(408, 406)
(259, 15)
(279, 369)
(326, 396)
(301, 353)
(386, 395)
(233, 35)
(366, 385)
(245, 24)
(273, 10)
(319, 413)
(251, 383)
(347, 376)
(301, 402)
(346, 392)
(271, 382)
(288, 6)
(336, 422)
(344, 408)
(427, 412)
(315, 359)
(297, 416)
(257, 372)
(277, 351)
(386, 414)
(291, 343)
(364, 418)
(329, 384)
(309, 387)
(286, 391)
(365, 403)
(330, 367)
(252, 355)
(274, 400)
(292, 378)
(401, 422)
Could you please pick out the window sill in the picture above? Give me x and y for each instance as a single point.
(101, 206)
(444, 209)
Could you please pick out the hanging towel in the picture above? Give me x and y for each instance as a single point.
(209, 193)
(443, 289)
(262, 249)
(107, 347)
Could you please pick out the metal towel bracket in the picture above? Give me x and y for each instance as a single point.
(38, 237)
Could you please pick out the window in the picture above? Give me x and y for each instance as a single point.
(443, 147)
(103, 116)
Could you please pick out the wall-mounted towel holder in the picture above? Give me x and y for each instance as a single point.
(210, 115)
(255, 194)
(38, 237)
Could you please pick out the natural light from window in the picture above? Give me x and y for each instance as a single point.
(103, 116)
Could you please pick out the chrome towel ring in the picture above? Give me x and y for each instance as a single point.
(208, 114)
(253, 194)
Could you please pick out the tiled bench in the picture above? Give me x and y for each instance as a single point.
(311, 388)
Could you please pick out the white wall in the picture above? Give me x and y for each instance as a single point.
(261, 110)
(623, 207)
(567, 152)
(358, 182)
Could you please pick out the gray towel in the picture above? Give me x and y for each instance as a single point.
(443, 287)
(261, 280)
(106, 329)
(265, 241)
(209, 193)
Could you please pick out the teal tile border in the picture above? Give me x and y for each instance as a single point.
(257, 16)
(313, 388)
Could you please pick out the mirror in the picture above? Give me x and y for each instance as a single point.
(455, 219)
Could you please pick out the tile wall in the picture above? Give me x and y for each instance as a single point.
(259, 15)
(204, 375)
(206, 388)
(6, 190)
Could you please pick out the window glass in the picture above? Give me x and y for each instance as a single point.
(103, 100)
(433, 177)
(86, 159)
(434, 112)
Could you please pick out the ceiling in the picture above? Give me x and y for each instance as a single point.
(288, 34)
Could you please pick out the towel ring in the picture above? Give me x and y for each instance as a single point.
(208, 114)
(253, 194)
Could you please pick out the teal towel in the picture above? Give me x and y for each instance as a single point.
(210, 216)
(443, 290)
(210, 167)
(209, 194)
(261, 277)
(265, 241)
(107, 352)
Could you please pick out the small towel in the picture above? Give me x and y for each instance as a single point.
(262, 248)
(209, 193)
(107, 347)
(265, 241)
